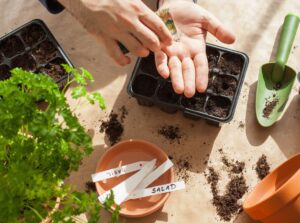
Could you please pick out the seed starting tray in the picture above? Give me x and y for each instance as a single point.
(227, 69)
(33, 48)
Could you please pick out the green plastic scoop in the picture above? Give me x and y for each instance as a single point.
(275, 80)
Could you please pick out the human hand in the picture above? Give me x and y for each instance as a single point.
(130, 22)
(185, 61)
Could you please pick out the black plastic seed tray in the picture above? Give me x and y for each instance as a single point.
(227, 69)
(33, 48)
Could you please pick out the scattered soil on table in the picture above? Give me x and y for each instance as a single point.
(170, 132)
(269, 106)
(196, 103)
(44, 52)
(33, 34)
(183, 168)
(241, 125)
(262, 167)
(231, 64)
(234, 167)
(24, 61)
(167, 94)
(90, 187)
(54, 69)
(4, 72)
(228, 204)
(148, 66)
(144, 85)
(12, 46)
(225, 85)
(114, 127)
(218, 106)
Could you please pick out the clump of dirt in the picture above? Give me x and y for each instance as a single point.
(90, 186)
(262, 167)
(269, 106)
(183, 166)
(234, 167)
(113, 127)
(54, 70)
(170, 132)
(228, 204)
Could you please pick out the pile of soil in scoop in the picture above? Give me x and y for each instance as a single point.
(113, 127)
(262, 167)
(269, 106)
(170, 132)
(227, 205)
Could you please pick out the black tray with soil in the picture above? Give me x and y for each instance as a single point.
(227, 69)
(33, 48)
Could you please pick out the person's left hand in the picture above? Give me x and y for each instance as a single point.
(185, 61)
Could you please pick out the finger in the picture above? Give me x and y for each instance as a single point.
(201, 70)
(161, 62)
(146, 37)
(151, 20)
(216, 28)
(188, 73)
(133, 45)
(176, 74)
(114, 51)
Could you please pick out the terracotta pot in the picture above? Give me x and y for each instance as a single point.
(129, 152)
(276, 199)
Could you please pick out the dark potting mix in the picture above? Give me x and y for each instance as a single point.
(270, 104)
(32, 47)
(262, 167)
(170, 132)
(113, 127)
(228, 204)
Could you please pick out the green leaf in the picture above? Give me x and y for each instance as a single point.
(78, 92)
(98, 97)
(86, 74)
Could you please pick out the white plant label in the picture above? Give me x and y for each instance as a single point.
(125, 188)
(160, 189)
(115, 172)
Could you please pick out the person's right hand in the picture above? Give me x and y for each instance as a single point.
(130, 22)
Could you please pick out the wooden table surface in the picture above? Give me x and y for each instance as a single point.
(256, 24)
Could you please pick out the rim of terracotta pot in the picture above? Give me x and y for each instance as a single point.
(275, 191)
(165, 196)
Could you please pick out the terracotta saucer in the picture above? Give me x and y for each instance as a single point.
(127, 152)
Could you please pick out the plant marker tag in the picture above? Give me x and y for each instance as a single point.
(115, 172)
(154, 175)
(160, 189)
(124, 189)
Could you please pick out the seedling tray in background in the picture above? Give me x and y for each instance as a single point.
(227, 69)
(33, 48)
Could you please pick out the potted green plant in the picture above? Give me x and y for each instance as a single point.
(39, 147)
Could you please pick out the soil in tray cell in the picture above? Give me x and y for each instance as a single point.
(224, 85)
(12, 46)
(44, 52)
(212, 57)
(218, 106)
(196, 103)
(148, 65)
(231, 64)
(4, 72)
(54, 69)
(167, 94)
(144, 85)
(33, 34)
(24, 61)
(1, 58)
